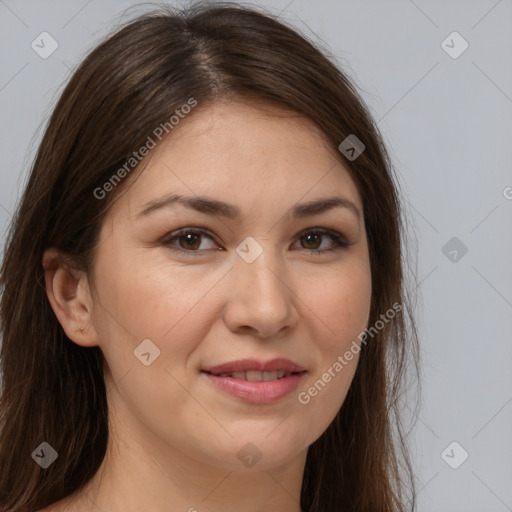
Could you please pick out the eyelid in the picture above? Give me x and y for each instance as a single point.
(325, 231)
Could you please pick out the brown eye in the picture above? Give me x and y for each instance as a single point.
(187, 240)
(314, 237)
(190, 239)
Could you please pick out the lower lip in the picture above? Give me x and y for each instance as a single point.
(265, 392)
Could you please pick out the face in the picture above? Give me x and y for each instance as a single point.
(192, 299)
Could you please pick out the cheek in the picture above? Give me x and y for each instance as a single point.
(155, 303)
(341, 309)
(341, 305)
(147, 297)
(163, 303)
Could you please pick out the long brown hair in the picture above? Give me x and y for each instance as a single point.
(52, 389)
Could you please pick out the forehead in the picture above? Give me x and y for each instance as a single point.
(242, 153)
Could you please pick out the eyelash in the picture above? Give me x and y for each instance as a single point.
(339, 242)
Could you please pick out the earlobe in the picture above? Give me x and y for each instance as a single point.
(69, 295)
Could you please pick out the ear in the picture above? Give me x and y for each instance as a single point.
(69, 294)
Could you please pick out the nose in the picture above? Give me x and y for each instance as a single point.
(261, 298)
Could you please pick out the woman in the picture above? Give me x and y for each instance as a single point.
(203, 304)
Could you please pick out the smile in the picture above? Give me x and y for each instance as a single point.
(256, 382)
(255, 376)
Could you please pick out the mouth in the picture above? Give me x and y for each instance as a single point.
(254, 381)
(256, 376)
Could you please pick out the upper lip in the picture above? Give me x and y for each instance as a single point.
(246, 365)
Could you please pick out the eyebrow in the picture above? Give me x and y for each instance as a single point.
(211, 206)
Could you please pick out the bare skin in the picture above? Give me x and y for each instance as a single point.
(174, 435)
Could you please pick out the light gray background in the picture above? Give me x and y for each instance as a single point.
(447, 123)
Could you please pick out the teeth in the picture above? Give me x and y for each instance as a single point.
(278, 374)
(255, 376)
